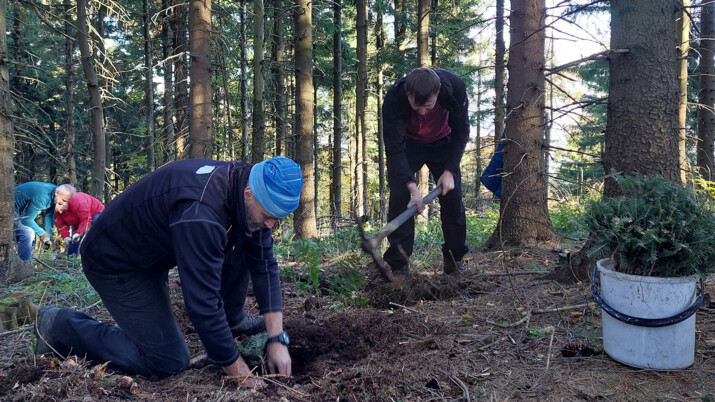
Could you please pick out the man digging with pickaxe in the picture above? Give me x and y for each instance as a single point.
(425, 122)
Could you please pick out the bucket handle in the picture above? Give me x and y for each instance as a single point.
(646, 322)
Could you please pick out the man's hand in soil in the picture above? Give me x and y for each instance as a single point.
(239, 372)
(447, 181)
(279, 359)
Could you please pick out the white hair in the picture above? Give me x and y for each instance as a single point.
(67, 189)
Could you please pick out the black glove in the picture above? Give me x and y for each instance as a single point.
(45, 239)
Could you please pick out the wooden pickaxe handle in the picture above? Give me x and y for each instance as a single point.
(371, 243)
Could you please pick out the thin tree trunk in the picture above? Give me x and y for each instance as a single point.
(181, 89)
(360, 96)
(243, 44)
(148, 91)
(380, 45)
(304, 221)
(423, 16)
(706, 95)
(200, 112)
(97, 112)
(336, 184)
(277, 69)
(69, 97)
(169, 142)
(258, 145)
(683, 46)
(478, 144)
(500, 51)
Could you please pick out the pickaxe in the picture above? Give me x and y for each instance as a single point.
(370, 244)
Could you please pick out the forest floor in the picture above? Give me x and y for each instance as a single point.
(484, 335)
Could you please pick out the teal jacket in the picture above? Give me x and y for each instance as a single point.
(33, 198)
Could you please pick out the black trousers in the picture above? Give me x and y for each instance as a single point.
(454, 221)
(146, 340)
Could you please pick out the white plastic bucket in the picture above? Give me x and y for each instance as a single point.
(668, 347)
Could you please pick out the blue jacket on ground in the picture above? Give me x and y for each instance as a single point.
(33, 198)
(189, 214)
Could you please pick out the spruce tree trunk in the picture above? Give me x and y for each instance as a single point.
(277, 69)
(500, 51)
(243, 45)
(336, 187)
(148, 91)
(258, 145)
(181, 86)
(12, 269)
(97, 112)
(706, 94)
(200, 112)
(642, 126)
(360, 97)
(423, 15)
(304, 217)
(683, 48)
(69, 98)
(524, 217)
(169, 143)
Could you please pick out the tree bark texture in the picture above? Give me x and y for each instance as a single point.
(181, 82)
(304, 217)
(169, 139)
(258, 145)
(69, 97)
(683, 48)
(279, 103)
(97, 112)
(243, 44)
(360, 97)
(706, 95)
(500, 51)
(336, 186)
(148, 91)
(200, 122)
(524, 217)
(642, 124)
(11, 268)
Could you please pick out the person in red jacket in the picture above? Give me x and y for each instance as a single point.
(77, 215)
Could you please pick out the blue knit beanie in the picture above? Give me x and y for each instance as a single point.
(277, 183)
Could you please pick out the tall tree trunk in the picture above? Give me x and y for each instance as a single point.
(500, 51)
(524, 217)
(423, 15)
(148, 91)
(400, 23)
(69, 97)
(97, 112)
(258, 144)
(360, 97)
(25, 152)
(336, 187)
(12, 269)
(316, 153)
(478, 144)
(683, 48)
(169, 142)
(642, 126)
(706, 95)
(304, 221)
(243, 44)
(181, 88)
(200, 113)
(277, 70)
(379, 89)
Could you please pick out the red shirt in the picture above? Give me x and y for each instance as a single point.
(80, 211)
(430, 127)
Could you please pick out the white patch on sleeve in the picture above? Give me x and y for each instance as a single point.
(205, 169)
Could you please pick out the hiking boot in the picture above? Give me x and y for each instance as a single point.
(249, 325)
(43, 330)
(452, 267)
